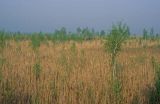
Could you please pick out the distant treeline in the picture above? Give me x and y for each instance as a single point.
(81, 34)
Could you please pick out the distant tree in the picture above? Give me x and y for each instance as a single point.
(157, 35)
(63, 31)
(2, 40)
(128, 31)
(97, 33)
(145, 37)
(78, 30)
(70, 33)
(145, 34)
(56, 32)
(152, 33)
(93, 31)
(102, 33)
(86, 34)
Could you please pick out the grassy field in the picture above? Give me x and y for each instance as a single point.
(75, 72)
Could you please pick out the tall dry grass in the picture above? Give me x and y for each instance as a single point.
(75, 73)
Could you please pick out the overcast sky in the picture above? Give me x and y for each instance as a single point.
(48, 15)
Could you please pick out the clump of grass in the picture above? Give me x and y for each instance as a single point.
(91, 95)
(117, 88)
(2, 61)
(8, 93)
(55, 92)
(79, 92)
(37, 70)
(135, 100)
(36, 100)
(63, 61)
(73, 56)
(73, 48)
(140, 59)
(154, 93)
(68, 59)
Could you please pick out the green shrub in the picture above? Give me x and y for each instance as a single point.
(35, 42)
(37, 70)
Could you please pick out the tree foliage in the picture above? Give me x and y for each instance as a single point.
(118, 34)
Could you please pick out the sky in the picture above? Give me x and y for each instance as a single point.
(48, 15)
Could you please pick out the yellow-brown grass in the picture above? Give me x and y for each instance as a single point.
(76, 76)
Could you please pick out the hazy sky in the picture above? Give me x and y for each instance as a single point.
(47, 15)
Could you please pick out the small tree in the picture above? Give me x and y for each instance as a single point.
(145, 37)
(102, 33)
(116, 37)
(118, 34)
(79, 30)
(145, 34)
(86, 33)
(152, 34)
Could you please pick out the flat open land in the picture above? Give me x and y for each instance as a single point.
(75, 72)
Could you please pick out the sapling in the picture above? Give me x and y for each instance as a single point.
(35, 39)
(145, 37)
(117, 36)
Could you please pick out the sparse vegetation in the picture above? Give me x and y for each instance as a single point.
(75, 69)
